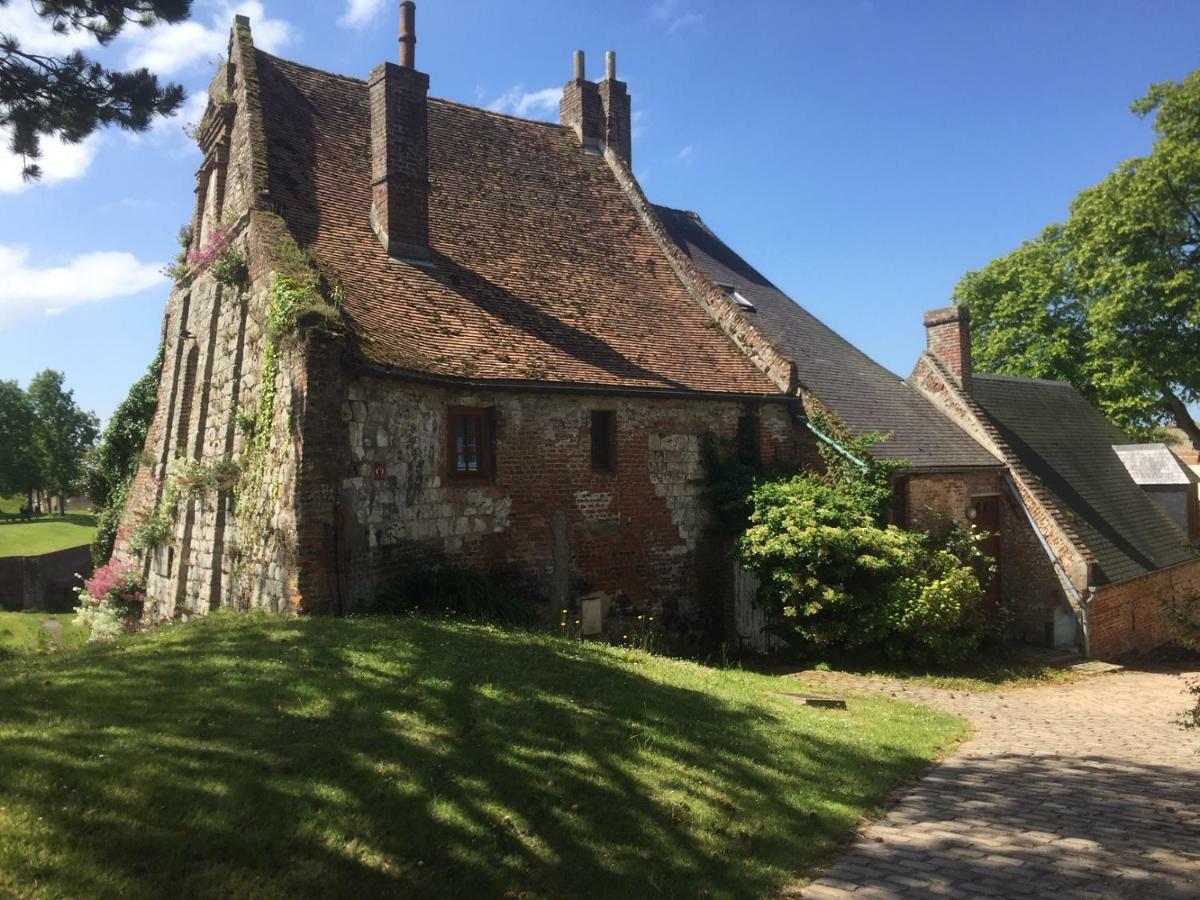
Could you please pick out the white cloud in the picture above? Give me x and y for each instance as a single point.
(686, 154)
(167, 49)
(359, 12)
(516, 101)
(27, 291)
(59, 161)
(674, 15)
(34, 33)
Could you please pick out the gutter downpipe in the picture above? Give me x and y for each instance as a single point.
(1082, 601)
(835, 445)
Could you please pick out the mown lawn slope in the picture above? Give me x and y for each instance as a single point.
(27, 632)
(244, 756)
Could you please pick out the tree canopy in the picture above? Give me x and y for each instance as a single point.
(70, 96)
(19, 470)
(63, 432)
(1110, 299)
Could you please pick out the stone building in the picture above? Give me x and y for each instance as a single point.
(459, 338)
(413, 333)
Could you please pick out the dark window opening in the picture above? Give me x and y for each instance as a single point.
(470, 448)
(604, 440)
(748, 451)
(898, 513)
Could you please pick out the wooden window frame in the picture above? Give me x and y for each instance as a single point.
(485, 417)
(604, 442)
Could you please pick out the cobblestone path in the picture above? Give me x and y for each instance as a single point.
(1086, 789)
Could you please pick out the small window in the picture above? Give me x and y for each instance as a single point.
(736, 296)
(604, 440)
(898, 508)
(470, 449)
(748, 451)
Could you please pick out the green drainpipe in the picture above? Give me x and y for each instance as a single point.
(835, 445)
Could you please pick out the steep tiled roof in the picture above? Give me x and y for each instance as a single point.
(862, 393)
(1068, 445)
(541, 269)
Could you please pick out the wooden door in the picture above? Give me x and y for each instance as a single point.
(987, 519)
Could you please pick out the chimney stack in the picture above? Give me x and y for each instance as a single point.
(614, 96)
(398, 96)
(599, 113)
(408, 34)
(580, 108)
(948, 337)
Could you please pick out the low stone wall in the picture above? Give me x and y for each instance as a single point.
(1130, 617)
(44, 582)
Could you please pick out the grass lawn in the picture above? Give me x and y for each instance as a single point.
(25, 632)
(982, 675)
(247, 756)
(46, 534)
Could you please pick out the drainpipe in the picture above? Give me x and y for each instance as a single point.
(835, 445)
(1082, 601)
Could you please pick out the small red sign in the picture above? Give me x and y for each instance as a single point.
(380, 470)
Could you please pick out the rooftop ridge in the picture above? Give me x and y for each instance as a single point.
(1024, 378)
(363, 82)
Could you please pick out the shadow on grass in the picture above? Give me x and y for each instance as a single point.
(406, 757)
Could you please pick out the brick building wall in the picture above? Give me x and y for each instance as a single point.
(1030, 589)
(379, 496)
(1132, 616)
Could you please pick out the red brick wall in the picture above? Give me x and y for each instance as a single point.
(1029, 587)
(1129, 617)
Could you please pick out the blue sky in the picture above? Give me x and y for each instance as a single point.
(863, 155)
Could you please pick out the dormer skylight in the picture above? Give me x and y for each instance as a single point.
(735, 295)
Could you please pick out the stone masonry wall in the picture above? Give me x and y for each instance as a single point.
(638, 534)
(232, 546)
(1131, 616)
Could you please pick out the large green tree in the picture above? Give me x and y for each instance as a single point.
(63, 433)
(19, 469)
(112, 465)
(1110, 300)
(70, 96)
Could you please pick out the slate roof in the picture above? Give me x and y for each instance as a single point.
(863, 394)
(542, 270)
(1152, 464)
(1068, 445)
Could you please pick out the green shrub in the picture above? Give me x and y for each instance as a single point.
(457, 592)
(842, 581)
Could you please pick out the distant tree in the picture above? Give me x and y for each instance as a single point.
(1110, 300)
(112, 465)
(63, 433)
(19, 469)
(71, 96)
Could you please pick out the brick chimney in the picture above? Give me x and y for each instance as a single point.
(581, 109)
(599, 113)
(400, 149)
(614, 96)
(948, 337)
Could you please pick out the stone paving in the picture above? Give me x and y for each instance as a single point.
(1086, 789)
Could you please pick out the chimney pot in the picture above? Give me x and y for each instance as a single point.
(408, 34)
(610, 66)
(948, 337)
(580, 67)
